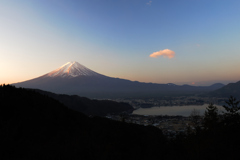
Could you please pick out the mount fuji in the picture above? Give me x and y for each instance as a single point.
(74, 78)
(72, 69)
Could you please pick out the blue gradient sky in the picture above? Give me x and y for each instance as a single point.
(116, 38)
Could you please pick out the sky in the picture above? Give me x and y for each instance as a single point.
(192, 42)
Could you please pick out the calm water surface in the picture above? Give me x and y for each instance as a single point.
(174, 110)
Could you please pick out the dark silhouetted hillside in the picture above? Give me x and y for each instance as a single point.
(90, 107)
(34, 126)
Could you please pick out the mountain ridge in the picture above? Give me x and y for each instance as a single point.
(89, 106)
(91, 84)
(231, 89)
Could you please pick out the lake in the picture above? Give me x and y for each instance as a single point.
(174, 110)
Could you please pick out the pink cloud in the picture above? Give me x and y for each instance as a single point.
(165, 53)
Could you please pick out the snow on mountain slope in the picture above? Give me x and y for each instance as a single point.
(72, 69)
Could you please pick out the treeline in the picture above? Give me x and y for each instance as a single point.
(216, 137)
(35, 126)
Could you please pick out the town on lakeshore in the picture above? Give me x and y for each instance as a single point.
(171, 101)
(171, 125)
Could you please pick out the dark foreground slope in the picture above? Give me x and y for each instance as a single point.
(88, 106)
(34, 126)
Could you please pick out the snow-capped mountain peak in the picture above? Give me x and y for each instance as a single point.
(72, 69)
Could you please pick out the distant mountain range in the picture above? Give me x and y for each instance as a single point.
(76, 79)
(232, 89)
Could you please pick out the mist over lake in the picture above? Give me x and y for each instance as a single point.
(174, 110)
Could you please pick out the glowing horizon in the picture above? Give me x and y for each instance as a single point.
(194, 41)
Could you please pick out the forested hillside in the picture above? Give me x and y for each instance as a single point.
(34, 126)
(89, 106)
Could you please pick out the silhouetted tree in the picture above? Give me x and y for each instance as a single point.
(195, 117)
(232, 115)
(211, 117)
